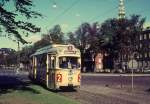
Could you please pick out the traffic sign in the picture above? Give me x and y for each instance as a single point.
(133, 64)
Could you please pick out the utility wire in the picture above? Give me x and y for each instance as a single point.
(65, 11)
(106, 12)
(143, 11)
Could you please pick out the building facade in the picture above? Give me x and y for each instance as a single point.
(143, 57)
(5, 54)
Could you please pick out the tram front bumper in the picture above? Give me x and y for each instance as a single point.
(67, 86)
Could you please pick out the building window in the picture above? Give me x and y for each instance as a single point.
(140, 45)
(136, 46)
(145, 55)
(149, 35)
(140, 55)
(140, 37)
(145, 36)
(144, 63)
(140, 64)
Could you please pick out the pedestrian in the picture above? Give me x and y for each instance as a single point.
(17, 70)
(21, 66)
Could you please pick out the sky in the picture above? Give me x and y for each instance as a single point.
(69, 14)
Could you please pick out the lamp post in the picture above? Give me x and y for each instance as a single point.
(18, 56)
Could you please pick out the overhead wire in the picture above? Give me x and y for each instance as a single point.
(65, 11)
(106, 12)
(94, 18)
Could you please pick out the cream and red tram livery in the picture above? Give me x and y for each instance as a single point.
(56, 66)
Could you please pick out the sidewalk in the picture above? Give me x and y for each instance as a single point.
(139, 98)
(112, 74)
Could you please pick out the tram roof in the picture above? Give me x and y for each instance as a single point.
(51, 49)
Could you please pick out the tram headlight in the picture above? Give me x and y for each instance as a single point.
(70, 78)
(59, 77)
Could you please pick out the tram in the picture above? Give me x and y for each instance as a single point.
(56, 66)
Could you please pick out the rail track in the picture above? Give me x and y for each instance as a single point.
(85, 97)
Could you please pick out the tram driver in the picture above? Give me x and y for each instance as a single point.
(64, 63)
(71, 63)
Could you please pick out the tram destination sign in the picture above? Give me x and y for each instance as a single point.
(70, 50)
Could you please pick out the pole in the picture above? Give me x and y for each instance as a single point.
(132, 81)
(18, 46)
(132, 76)
(18, 53)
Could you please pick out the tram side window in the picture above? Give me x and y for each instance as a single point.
(52, 62)
(41, 60)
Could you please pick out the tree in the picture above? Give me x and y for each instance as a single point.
(9, 19)
(45, 40)
(123, 36)
(56, 35)
(25, 54)
(85, 38)
(11, 59)
(72, 39)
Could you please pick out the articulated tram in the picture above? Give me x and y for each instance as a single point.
(57, 66)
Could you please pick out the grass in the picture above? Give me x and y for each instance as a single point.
(34, 94)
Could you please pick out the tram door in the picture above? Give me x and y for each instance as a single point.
(52, 65)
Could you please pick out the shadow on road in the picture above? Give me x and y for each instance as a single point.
(66, 90)
(9, 84)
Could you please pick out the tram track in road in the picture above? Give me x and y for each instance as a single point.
(85, 97)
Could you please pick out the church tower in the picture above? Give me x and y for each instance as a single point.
(121, 13)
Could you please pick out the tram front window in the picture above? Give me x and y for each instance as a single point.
(69, 62)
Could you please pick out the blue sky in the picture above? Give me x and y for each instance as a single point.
(71, 13)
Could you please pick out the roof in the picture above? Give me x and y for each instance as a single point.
(55, 48)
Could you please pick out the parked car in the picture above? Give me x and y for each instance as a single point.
(146, 70)
(117, 71)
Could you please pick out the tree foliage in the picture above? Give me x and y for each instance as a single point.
(85, 37)
(122, 34)
(56, 35)
(114, 36)
(9, 18)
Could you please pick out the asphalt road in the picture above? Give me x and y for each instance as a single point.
(9, 79)
(112, 89)
(141, 82)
